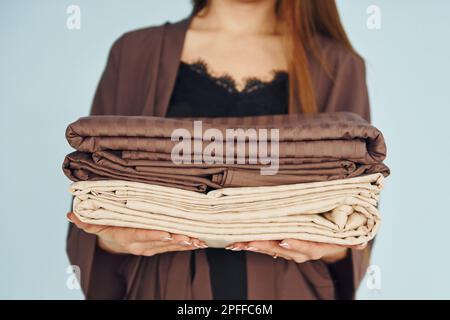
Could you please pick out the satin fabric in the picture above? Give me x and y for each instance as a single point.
(311, 148)
(339, 212)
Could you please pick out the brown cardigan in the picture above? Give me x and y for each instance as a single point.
(138, 80)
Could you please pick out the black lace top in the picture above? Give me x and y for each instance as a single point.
(198, 93)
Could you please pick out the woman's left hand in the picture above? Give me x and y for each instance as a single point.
(298, 250)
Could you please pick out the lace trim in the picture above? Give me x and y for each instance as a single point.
(227, 82)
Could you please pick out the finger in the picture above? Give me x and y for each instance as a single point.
(273, 248)
(266, 245)
(89, 228)
(74, 219)
(188, 241)
(361, 246)
(270, 248)
(238, 246)
(134, 239)
(307, 246)
(311, 249)
(301, 245)
(275, 255)
(169, 248)
(199, 244)
(181, 239)
(139, 248)
(142, 235)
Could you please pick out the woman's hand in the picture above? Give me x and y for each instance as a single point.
(297, 250)
(139, 242)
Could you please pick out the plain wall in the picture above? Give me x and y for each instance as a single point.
(48, 75)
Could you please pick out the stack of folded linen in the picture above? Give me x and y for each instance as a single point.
(339, 211)
(329, 173)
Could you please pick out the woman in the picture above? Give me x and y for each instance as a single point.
(230, 58)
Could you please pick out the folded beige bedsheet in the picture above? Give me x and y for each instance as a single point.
(340, 211)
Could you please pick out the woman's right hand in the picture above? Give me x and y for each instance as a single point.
(139, 242)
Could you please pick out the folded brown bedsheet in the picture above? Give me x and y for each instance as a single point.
(312, 148)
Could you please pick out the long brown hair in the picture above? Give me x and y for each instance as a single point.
(303, 20)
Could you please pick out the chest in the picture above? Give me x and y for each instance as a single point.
(240, 57)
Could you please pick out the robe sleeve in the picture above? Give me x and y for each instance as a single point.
(99, 271)
(349, 93)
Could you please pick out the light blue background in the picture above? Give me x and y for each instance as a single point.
(48, 75)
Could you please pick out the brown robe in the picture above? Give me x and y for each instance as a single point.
(138, 80)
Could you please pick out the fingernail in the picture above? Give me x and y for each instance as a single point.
(167, 238)
(236, 249)
(186, 243)
(197, 245)
(203, 246)
(284, 245)
(229, 248)
(252, 249)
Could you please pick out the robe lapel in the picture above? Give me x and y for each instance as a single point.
(169, 61)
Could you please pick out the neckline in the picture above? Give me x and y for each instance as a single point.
(230, 84)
